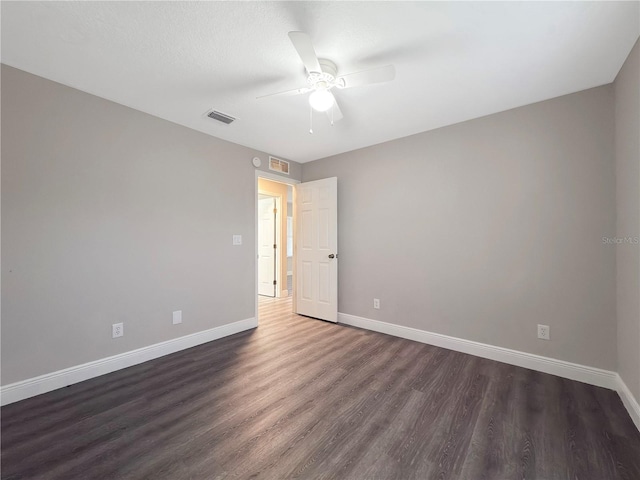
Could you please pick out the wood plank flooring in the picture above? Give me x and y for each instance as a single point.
(302, 398)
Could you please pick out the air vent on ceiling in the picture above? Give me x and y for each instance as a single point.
(221, 117)
(278, 165)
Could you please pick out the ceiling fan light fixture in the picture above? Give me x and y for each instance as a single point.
(321, 100)
(323, 77)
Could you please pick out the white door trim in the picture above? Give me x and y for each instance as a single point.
(276, 178)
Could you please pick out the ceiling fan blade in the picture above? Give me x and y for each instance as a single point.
(302, 43)
(295, 91)
(334, 113)
(367, 77)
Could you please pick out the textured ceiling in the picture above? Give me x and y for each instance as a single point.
(454, 61)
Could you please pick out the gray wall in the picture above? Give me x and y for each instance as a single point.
(112, 215)
(627, 148)
(484, 229)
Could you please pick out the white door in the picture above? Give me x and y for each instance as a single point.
(266, 242)
(316, 249)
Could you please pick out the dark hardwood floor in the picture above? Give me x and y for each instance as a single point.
(302, 398)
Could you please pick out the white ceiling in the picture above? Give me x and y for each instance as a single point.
(454, 61)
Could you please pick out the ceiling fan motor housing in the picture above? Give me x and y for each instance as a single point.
(326, 79)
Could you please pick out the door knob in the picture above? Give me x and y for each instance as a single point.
(331, 255)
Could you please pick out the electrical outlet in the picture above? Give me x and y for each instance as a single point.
(376, 303)
(177, 317)
(544, 332)
(117, 330)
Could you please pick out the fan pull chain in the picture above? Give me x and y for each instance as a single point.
(310, 120)
(333, 108)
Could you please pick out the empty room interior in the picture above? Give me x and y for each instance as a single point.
(346, 240)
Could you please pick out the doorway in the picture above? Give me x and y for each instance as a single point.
(308, 263)
(274, 240)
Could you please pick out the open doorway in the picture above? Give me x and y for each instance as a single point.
(274, 241)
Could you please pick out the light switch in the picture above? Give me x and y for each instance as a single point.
(177, 317)
(237, 239)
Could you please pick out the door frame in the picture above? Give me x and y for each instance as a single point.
(288, 181)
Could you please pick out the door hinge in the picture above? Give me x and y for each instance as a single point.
(275, 246)
(275, 210)
(275, 282)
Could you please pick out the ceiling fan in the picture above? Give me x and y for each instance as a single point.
(323, 77)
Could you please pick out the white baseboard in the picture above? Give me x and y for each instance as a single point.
(573, 371)
(629, 401)
(51, 381)
(602, 378)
